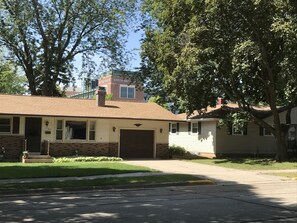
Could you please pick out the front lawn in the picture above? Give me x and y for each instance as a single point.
(72, 169)
(127, 181)
(248, 164)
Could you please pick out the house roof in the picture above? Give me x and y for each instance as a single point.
(71, 107)
(220, 111)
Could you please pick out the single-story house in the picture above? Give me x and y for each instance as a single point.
(65, 127)
(201, 134)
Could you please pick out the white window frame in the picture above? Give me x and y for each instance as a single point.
(171, 130)
(127, 86)
(235, 133)
(88, 130)
(10, 125)
(192, 127)
(264, 132)
(62, 130)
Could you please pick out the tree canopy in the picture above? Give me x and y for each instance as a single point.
(10, 81)
(45, 36)
(243, 51)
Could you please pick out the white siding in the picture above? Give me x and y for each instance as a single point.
(194, 143)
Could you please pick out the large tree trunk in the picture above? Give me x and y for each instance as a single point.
(281, 153)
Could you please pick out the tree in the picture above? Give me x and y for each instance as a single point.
(45, 36)
(10, 81)
(243, 51)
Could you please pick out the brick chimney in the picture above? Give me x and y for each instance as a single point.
(220, 101)
(101, 97)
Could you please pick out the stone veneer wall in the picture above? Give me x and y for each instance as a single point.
(162, 150)
(13, 146)
(82, 149)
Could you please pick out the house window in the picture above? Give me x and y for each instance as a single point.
(92, 130)
(59, 130)
(266, 132)
(236, 131)
(5, 124)
(127, 91)
(194, 127)
(174, 128)
(76, 130)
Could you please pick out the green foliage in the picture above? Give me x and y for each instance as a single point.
(159, 101)
(108, 97)
(242, 51)
(45, 37)
(177, 150)
(86, 159)
(248, 163)
(10, 81)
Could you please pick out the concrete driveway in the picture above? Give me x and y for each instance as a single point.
(218, 174)
(263, 185)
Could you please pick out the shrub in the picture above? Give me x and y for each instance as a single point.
(177, 150)
(86, 159)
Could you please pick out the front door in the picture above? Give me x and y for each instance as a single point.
(33, 134)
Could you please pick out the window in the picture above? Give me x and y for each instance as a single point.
(236, 131)
(76, 130)
(127, 91)
(174, 128)
(92, 130)
(5, 124)
(194, 127)
(266, 132)
(59, 130)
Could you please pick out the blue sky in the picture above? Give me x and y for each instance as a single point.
(133, 45)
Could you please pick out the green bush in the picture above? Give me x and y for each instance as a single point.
(86, 159)
(177, 150)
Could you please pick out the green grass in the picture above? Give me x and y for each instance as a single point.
(130, 181)
(248, 164)
(286, 174)
(37, 170)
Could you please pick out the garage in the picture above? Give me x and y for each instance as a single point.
(136, 143)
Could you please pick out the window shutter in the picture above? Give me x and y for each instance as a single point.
(169, 127)
(245, 129)
(189, 127)
(16, 125)
(261, 130)
(177, 128)
(199, 128)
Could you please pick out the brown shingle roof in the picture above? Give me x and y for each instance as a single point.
(220, 110)
(68, 107)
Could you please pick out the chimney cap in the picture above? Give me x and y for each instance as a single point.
(101, 88)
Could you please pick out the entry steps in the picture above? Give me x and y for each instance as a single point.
(37, 158)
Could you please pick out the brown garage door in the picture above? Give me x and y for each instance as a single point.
(137, 144)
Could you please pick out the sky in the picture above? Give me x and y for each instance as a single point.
(133, 45)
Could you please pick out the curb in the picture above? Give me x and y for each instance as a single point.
(92, 188)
